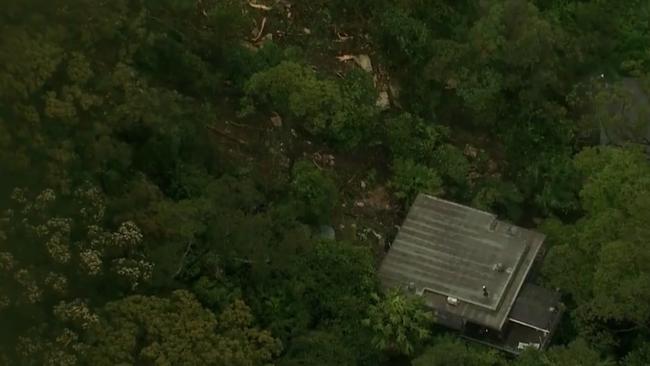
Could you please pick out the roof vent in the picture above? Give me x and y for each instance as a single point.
(523, 345)
(512, 230)
(498, 267)
(452, 301)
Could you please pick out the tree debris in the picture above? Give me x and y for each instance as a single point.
(225, 134)
(276, 120)
(324, 159)
(267, 38)
(249, 46)
(363, 234)
(470, 151)
(344, 58)
(181, 263)
(259, 6)
(394, 91)
(363, 61)
(378, 199)
(342, 37)
(261, 30)
(383, 100)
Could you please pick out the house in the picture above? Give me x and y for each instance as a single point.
(471, 269)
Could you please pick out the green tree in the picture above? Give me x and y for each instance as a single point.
(610, 35)
(602, 260)
(638, 357)
(403, 38)
(320, 347)
(411, 178)
(177, 330)
(452, 351)
(328, 285)
(342, 112)
(339, 278)
(493, 194)
(409, 137)
(38, 237)
(506, 72)
(56, 255)
(399, 324)
(577, 353)
(313, 192)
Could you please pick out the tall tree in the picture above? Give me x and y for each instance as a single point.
(177, 330)
(577, 353)
(450, 351)
(57, 254)
(603, 260)
(399, 324)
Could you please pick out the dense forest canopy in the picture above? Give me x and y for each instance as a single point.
(213, 182)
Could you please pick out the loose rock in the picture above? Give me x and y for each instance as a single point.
(383, 100)
(276, 120)
(364, 62)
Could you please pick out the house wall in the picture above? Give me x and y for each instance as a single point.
(449, 320)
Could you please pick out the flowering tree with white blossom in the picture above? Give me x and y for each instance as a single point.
(56, 253)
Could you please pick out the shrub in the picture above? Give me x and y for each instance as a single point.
(499, 196)
(411, 178)
(452, 164)
(398, 323)
(409, 137)
(313, 192)
(342, 112)
(339, 277)
(242, 63)
(402, 37)
(447, 350)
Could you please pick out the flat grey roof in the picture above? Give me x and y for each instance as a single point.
(444, 249)
(533, 307)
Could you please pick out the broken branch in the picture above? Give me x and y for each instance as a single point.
(224, 134)
(342, 37)
(182, 261)
(259, 34)
(259, 6)
(344, 58)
